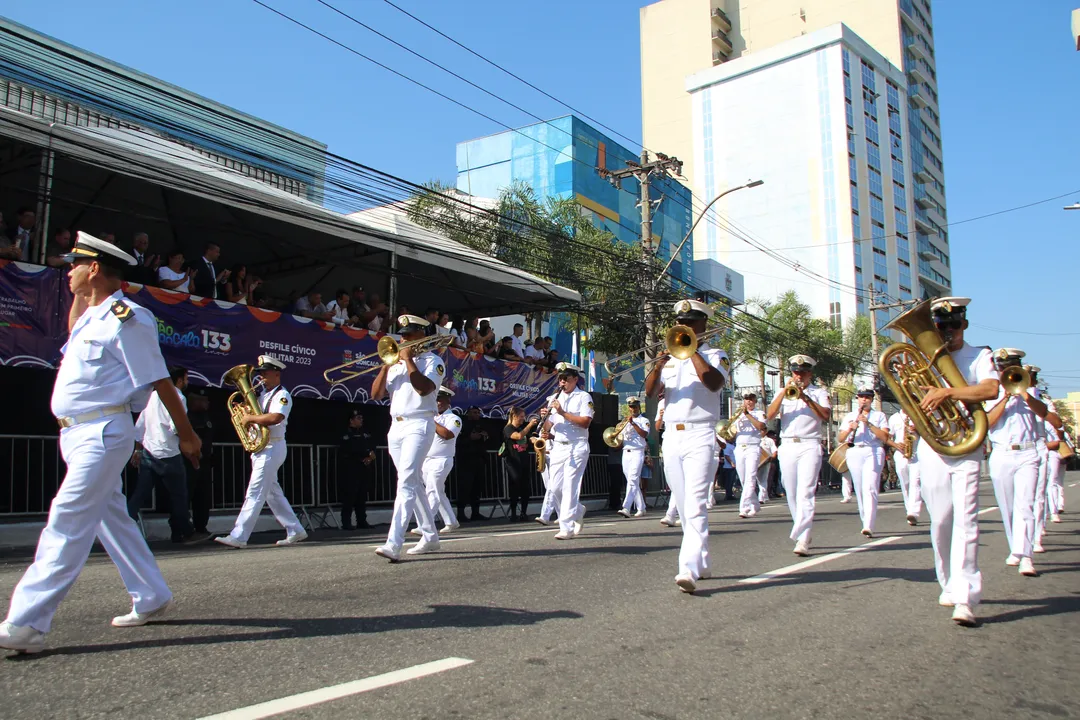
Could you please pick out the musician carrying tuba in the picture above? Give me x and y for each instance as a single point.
(634, 441)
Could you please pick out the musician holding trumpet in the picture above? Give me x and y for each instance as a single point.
(691, 385)
(802, 407)
(865, 430)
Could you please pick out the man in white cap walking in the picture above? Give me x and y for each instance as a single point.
(865, 430)
(567, 421)
(275, 404)
(635, 444)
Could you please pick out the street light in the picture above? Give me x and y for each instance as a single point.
(751, 184)
(1074, 206)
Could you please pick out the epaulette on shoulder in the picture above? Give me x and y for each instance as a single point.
(122, 311)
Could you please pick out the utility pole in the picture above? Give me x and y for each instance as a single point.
(643, 172)
(874, 331)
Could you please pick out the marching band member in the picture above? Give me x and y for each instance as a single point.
(749, 429)
(691, 390)
(1045, 501)
(440, 461)
(567, 421)
(671, 515)
(800, 445)
(411, 384)
(1015, 424)
(549, 505)
(950, 485)
(907, 469)
(866, 431)
(635, 439)
(264, 488)
(111, 363)
(1051, 424)
(769, 451)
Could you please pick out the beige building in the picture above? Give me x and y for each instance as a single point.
(680, 38)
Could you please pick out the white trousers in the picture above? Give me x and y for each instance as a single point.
(746, 460)
(763, 482)
(90, 503)
(568, 461)
(846, 483)
(690, 468)
(632, 462)
(800, 464)
(672, 512)
(551, 498)
(435, 471)
(1043, 504)
(865, 464)
(951, 493)
(264, 488)
(408, 442)
(910, 482)
(1015, 474)
(1055, 486)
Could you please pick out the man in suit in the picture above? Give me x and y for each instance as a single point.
(209, 279)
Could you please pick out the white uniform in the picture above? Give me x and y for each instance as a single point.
(747, 456)
(633, 459)
(768, 445)
(691, 412)
(551, 498)
(950, 488)
(865, 461)
(264, 487)
(800, 458)
(672, 512)
(907, 471)
(1042, 479)
(1014, 470)
(437, 466)
(109, 362)
(1047, 499)
(569, 457)
(412, 430)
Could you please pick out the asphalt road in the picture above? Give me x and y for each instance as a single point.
(593, 627)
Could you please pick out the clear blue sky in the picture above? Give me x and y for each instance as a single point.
(1008, 106)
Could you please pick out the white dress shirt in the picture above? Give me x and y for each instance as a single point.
(862, 435)
(166, 273)
(277, 400)
(155, 429)
(898, 423)
(579, 403)
(404, 400)
(630, 437)
(440, 446)
(797, 420)
(517, 345)
(745, 432)
(1018, 425)
(687, 398)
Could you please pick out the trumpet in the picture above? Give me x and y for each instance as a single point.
(792, 391)
(680, 342)
(389, 351)
(1015, 380)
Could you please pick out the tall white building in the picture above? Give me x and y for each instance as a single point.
(762, 88)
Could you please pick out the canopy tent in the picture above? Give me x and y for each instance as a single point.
(125, 181)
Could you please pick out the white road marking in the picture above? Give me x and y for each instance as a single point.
(987, 510)
(765, 577)
(545, 530)
(335, 692)
(443, 539)
(1073, 484)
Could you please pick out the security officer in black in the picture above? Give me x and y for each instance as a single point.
(201, 481)
(355, 467)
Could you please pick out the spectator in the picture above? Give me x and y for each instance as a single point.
(380, 319)
(472, 337)
(239, 287)
(359, 310)
(172, 276)
(339, 308)
(61, 245)
(145, 271)
(515, 340)
(457, 329)
(506, 350)
(443, 326)
(311, 306)
(471, 462)
(201, 479)
(16, 245)
(486, 336)
(552, 357)
(534, 354)
(432, 316)
(108, 237)
(208, 281)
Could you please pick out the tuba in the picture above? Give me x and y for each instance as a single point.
(955, 428)
(254, 438)
(613, 435)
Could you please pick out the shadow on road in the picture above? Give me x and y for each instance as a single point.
(1032, 608)
(441, 616)
(844, 577)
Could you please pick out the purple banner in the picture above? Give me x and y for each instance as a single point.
(208, 337)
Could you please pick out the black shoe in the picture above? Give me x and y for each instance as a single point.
(194, 537)
(513, 517)
(347, 528)
(363, 525)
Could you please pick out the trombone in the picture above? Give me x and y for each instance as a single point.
(388, 350)
(680, 342)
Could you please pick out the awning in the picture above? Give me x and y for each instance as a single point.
(127, 181)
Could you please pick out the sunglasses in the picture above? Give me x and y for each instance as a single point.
(949, 324)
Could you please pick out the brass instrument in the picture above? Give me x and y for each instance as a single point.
(254, 438)
(727, 431)
(792, 392)
(613, 435)
(954, 429)
(910, 436)
(680, 342)
(540, 447)
(388, 350)
(1015, 380)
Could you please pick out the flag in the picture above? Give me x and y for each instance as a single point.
(592, 371)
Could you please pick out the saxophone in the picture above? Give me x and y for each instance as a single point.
(910, 436)
(540, 447)
(254, 438)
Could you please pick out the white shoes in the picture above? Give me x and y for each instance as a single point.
(292, 539)
(623, 512)
(912, 520)
(962, 615)
(751, 514)
(705, 574)
(743, 515)
(450, 528)
(23, 639)
(678, 523)
(230, 541)
(666, 522)
(802, 548)
(867, 532)
(944, 600)
(1038, 547)
(390, 552)
(639, 513)
(563, 535)
(541, 520)
(416, 531)
(423, 547)
(1055, 517)
(1027, 568)
(846, 500)
(1012, 561)
(686, 583)
(137, 619)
